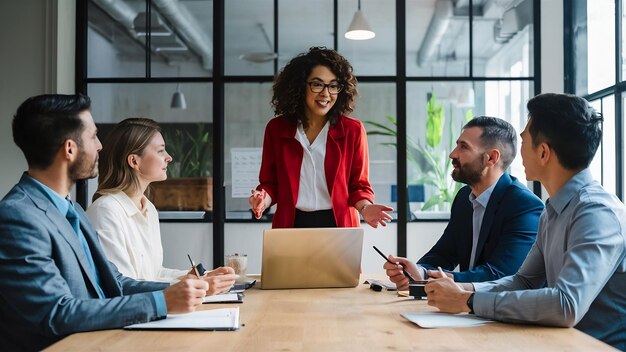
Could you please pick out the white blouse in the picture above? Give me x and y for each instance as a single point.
(313, 191)
(131, 238)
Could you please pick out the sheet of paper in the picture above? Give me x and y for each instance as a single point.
(245, 166)
(223, 298)
(212, 319)
(444, 320)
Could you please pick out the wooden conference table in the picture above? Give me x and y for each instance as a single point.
(348, 319)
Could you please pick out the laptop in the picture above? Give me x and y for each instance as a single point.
(311, 258)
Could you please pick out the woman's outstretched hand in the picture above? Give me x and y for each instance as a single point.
(376, 214)
(257, 202)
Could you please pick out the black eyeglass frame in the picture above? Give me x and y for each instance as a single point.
(324, 86)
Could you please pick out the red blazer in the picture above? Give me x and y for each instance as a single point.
(346, 166)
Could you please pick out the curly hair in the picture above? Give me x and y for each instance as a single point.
(290, 84)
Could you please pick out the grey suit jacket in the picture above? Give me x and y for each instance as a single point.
(46, 284)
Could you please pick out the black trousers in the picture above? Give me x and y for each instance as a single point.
(318, 218)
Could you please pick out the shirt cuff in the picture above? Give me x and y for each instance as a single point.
(424, 272)
(485, 304)
(161, 306)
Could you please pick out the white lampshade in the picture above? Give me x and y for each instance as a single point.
(359, 29)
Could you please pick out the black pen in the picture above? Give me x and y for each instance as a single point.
(406, 273)
(193, 265)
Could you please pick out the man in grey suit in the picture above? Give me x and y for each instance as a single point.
(54, 277)
(575, 273)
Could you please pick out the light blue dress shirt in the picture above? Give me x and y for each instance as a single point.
(479, 204)
(63, 205)
(575, 273)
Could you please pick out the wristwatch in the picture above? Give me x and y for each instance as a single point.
(470, 303)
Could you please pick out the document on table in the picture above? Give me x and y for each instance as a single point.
(212, 319)
(224, 298)
(444, 320)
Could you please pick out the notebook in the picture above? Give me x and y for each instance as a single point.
(311, 258)
(210, 319)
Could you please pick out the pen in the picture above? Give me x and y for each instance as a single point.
(441, 272)
(193, 265)
(406, 273)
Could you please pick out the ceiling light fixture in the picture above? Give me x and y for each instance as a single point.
(178, 99)
(260, 57)
(359, 29)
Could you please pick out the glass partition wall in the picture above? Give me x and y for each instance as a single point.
(204, 68)
(594, 42)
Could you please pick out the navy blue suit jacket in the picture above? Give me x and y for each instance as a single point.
(508, 230)
(47, 288)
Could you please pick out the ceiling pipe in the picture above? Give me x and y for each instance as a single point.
(444, 10)
(187, 26)
(119, 10)
(178, 16)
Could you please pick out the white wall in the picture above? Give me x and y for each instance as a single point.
(37, 57)
(22, 74)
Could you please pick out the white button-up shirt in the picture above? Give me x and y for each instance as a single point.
(313, 191)
(130, 237)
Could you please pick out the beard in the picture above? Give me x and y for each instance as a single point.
(469, 173)
(83, 168)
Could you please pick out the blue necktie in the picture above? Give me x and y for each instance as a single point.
(72, 217)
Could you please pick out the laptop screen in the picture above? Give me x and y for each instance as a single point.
(311, 258)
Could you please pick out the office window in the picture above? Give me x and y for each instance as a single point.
(114, 48)
(453, 103)
(372, 106)
(377, 56)
(313, 27)
(603, 164)
(244, 127)
(222, 56)
(249, 37)
(593, 44)
(170, 84)
(187, 133)
(182, 39)
(592, 75)
(503, 40)
(437, 38)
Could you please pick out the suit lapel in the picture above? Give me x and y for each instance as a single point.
(292, 158)
(492, 207)
(59, 223)
(336, 134)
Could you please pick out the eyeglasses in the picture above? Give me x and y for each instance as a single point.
(317, 87)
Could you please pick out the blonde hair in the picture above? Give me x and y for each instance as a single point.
(130, 136)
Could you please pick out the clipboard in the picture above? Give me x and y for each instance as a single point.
(223, 319)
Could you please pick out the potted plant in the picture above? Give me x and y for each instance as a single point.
(189, 185)
(430, 162)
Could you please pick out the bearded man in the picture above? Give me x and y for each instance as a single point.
(493, 220)
(54, 277)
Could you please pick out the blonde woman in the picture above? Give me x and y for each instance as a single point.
(133, 155)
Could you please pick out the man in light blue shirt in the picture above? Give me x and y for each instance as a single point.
(575, 273)
(54, 277)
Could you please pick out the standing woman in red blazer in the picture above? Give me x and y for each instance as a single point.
(315, 162)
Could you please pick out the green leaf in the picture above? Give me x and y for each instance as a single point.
(435, 122)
